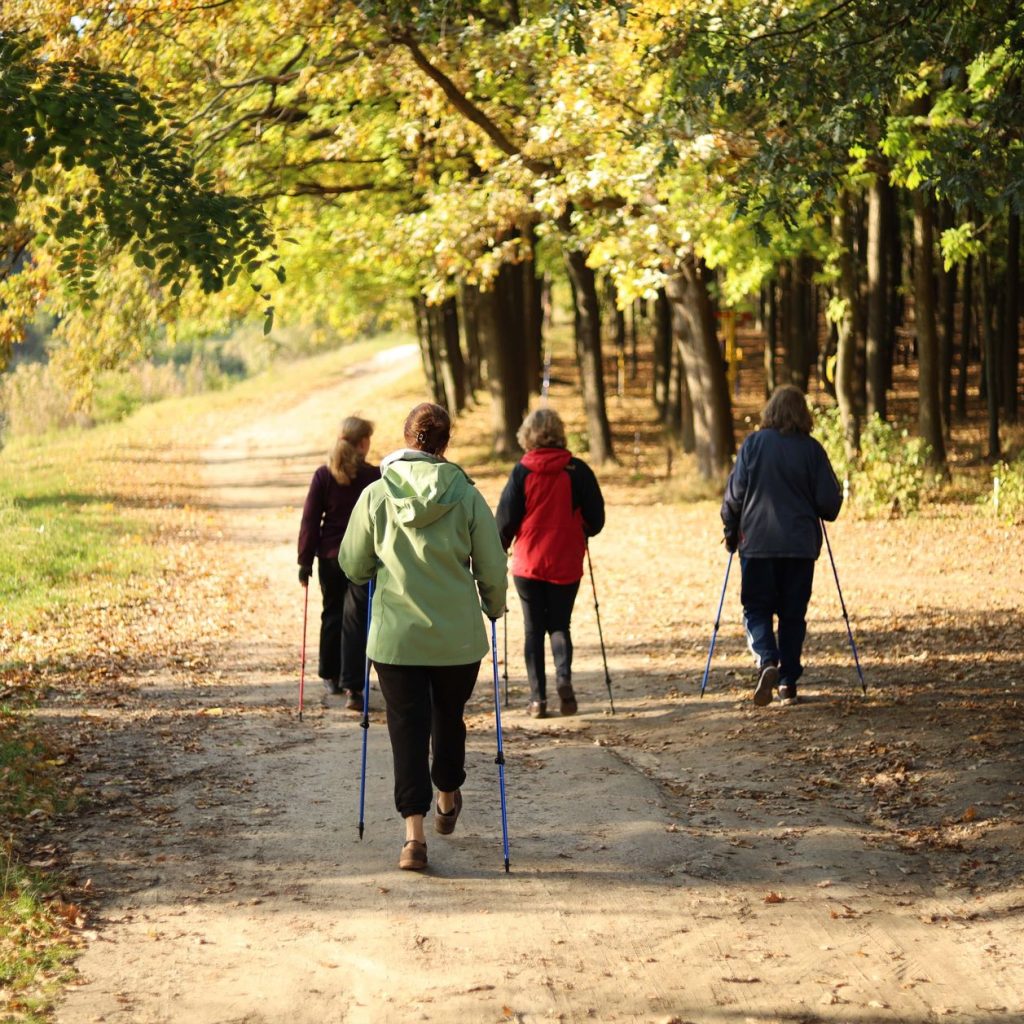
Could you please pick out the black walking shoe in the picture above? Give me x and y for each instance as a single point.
(332, 687)
(787, 694)
(765, 685)
(538, 709)
(567, 700)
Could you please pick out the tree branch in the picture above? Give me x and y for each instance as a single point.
(467, 108)
(314, 188)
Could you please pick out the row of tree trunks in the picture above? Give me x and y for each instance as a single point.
(503, 345)
(437, 330)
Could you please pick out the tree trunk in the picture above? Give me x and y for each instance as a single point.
(588, 348)
(662, 369)
(612, 296)
(966, 327)
(802, 343)
(533, 316)
(453, 366)
(991, 357)
(846, 342)
(877, 336)
(895, 307)
(929, 412)
(946, 310)
(1011, 319)
(499, 323)
(771, 337)
(470, 295)
(428, 355)
(694, 323)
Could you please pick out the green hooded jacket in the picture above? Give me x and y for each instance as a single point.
(427, 535)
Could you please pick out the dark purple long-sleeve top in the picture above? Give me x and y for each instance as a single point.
(326, 512)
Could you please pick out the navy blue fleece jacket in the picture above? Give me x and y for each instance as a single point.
(781, 485)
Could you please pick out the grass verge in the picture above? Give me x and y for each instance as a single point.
(95, 526)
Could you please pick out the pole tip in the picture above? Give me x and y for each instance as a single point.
(360, 831)
(506, 867)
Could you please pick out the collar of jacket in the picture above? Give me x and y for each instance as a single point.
(408, 455)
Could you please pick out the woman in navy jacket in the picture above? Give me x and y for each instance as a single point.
(550, 505)
(329, 503)
(779, 489)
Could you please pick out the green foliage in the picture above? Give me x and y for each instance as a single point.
(890, 476)
(114, 177)
(1009, 489)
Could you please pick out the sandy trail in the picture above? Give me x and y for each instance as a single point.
(685, 860)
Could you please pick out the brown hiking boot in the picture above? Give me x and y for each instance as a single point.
(354, 702)
(413, 856)
(444, 821)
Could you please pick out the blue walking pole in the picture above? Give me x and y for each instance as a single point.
(718, 619)
(365, 723)
(500, 759)
(842, 604)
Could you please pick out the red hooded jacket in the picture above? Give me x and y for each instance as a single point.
(550, 505)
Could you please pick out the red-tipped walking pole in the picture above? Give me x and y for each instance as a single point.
(302, 671)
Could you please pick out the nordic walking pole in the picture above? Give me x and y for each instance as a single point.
(500, 759)
(504, 666)
(600, 635)
(718, 619)
(842, 604)
(302, 670)
(365, 723)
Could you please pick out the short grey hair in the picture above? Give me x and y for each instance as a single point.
(542, 428)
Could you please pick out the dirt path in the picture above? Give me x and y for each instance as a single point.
(686, 860)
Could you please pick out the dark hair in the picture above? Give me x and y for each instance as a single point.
(787, 411)
(428, 428)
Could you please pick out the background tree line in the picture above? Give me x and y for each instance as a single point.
(856, 164)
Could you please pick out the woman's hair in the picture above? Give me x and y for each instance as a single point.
(345, 458)
(542, 428)
(787, 411)
(428, 428)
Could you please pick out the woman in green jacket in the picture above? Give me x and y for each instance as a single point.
(429, 538)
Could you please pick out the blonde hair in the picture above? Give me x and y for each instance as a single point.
(345, 459)
(542, 428)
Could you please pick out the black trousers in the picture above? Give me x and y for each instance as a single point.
(547, 610)
(425, 704)
(342, 626)
(777, 587)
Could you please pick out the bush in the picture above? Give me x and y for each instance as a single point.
(891, 474)
(1007, 499)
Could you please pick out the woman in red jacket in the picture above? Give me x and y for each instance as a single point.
(550, 506)
(332, 496)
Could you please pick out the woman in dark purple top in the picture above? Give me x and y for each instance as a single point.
(329, 503)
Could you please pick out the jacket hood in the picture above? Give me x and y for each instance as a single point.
(420, 487)
(546, 460)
